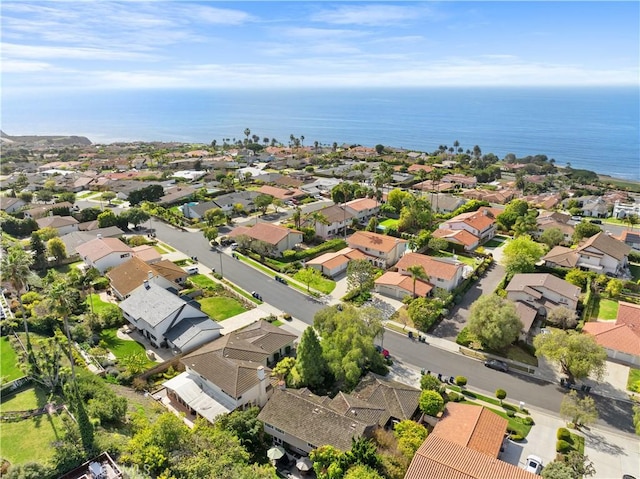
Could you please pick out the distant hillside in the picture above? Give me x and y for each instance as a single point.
(52, 140)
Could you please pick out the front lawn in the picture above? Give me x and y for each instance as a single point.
(29, 439)
(463, 259)
(494, 242)
(99, 306)
(9, 362)
(607, 309)
(220, 308)
(633, 383)
(388, 223)
(203, 281)
(122, 348)
(322, 284)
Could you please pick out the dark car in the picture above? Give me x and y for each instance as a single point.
(497, 365)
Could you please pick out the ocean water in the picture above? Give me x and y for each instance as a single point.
(591, 128)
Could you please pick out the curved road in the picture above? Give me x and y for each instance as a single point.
(534, 392)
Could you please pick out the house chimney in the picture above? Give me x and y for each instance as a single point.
(146, 284)
(282, 385)
(99, 236)
(149, 274)
(261, 373)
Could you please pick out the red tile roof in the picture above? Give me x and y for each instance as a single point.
(434, 267)
(374, 241)
(266, 232)
(391, 278)
(623, 335)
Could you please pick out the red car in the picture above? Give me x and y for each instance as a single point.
(381, 350)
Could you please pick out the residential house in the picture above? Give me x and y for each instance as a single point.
(338, 217)
(443, 203)
(536, 294)
(465, 444)
(397, 285)
(284, 194)
(167, 320)
(177, 194)
(304, 421)
(11, 205)
(547, 221)
(104, 253)
(622, 210)
(600, 253)
(443, 273)
(594, 206)
(381, 250)
(197, 210)
(362, 208)
(480, 224)
(463, 238)
(333, 264)
(101, 466)
(147, 253)
(62, 224)
(622, 338)
(76, 238)
(278, 237)
(125, 278)
(43, 210)
(460, 180)
(231, 372)
(244, 198)
(630, 238)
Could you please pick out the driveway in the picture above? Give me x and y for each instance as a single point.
(450, 326)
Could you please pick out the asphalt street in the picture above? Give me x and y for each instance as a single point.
(532, 391)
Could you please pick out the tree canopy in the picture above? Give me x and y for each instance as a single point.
(521, 254)
(310, 363)
(494, 321)
(579, 355)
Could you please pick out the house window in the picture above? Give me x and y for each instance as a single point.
(311, 445)
(125, 255)
(277, 440)
(440, 280)
(278, 430)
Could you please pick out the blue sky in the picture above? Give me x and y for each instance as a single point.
(178, 44)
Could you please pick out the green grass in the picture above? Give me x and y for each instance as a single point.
(463, 259)
(516, 353)
(388, 223)
(202, 281)
(31, 398)
(241, 292)
(322, 284)
(160, 249)
(268, 271)
(221, 308)
(277, 322)
(30, 440)
(66, 268)
(635, 271)
(9, 369)
(494, 242)
(633, 382)
(607, 309)
(99, 306)
(168, 248)
(121, 348)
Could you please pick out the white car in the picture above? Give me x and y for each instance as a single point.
(533, 464)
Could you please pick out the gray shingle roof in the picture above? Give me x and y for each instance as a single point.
(189, 331)
(153, 304)
(298, 414)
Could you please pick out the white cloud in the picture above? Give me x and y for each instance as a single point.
(16, 51)
(18, 66)
(219, 16)
(371, 15)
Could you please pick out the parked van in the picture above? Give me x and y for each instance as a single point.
(192, 269)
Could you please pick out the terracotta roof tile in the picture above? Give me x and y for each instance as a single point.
(391, 278)
(434, 267)
(266, 232)
(361, 204)
(101, 247)
(375, 241)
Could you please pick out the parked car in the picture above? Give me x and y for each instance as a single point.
(280, 279)
(497, 365)
(381, 350)
(595, 222)
(533, 464)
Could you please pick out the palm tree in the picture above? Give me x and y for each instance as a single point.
(16, 268)
(297, 217)
(318, 217)
(59, 293)
(417, 272)
(632, 220)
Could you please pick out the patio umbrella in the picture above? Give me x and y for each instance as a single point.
(304, 464)
(275, 453)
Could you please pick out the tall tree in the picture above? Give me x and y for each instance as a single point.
(521, 255)
(584, 229)
(262, 202)
(62, 301)
(57, 249)
(214, 216)
(310, 363)
(417, 272)
(494, 321)
(15, 267)
(317, 217)
(360, 275)
(39, 249)
(579, 411)
(297, 217)
(552, 237)
(578, 355)
(308, 275)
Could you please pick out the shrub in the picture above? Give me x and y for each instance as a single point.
(563, 446)
(516, 437)
(427, 381)
(464, 338)
(528, 421)
(454, 396)
(564, 434)
(511, 413)
(501, 394)
(101, 284)
(461, 381)
(431, 402)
